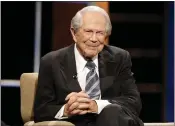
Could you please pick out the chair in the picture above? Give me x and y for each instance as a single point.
(28, 83)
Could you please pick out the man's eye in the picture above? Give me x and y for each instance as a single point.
(101, 33)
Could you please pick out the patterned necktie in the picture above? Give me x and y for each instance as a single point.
(92, 82)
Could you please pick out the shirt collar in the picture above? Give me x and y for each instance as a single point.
(81, 62)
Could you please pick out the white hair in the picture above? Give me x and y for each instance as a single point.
(76, 21)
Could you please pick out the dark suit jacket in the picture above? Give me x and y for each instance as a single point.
(56, 81)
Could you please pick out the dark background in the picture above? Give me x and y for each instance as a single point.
(139, 27)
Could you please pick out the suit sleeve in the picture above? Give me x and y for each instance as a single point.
(129, 99)
(45, 105)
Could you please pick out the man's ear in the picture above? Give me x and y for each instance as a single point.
(73, 34)
(106, 39)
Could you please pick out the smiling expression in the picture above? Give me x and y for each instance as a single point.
(91, 36)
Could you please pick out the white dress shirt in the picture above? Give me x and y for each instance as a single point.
(81, 76)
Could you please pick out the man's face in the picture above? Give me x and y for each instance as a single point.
(91, 36)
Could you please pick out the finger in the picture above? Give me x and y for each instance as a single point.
(76, 111)
(82, 112)
(83, 106)
(72, 100)
(73, 106)
(82, 94)
(89, 111)
(82, 91)
(69, 95)
(83, 100)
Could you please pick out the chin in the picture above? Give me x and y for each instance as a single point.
(91, 54)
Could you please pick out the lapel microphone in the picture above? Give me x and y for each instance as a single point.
(75, 76)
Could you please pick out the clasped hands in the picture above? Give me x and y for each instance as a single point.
(79, 104)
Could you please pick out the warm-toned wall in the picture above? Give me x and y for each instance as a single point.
(62, 15)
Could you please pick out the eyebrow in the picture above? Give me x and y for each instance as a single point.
(94, 29)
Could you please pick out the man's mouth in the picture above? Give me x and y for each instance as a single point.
(93, 46)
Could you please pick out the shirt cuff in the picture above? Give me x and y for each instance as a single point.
(101, 104)
(59, 114)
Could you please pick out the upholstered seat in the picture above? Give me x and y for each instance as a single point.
(28, 83)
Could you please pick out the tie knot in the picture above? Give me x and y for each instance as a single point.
(90, 65)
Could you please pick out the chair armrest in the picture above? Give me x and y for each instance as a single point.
(159, 124)
(49, 123)
(54, 123)
(29, 123)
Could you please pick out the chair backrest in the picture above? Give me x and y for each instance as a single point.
(28, 83)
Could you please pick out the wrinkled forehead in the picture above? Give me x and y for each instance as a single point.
(94, 19)
(92, 15)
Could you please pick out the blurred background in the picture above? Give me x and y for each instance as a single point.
(145, 29)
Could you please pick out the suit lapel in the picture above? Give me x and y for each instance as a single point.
(106, 69)
(68, 69)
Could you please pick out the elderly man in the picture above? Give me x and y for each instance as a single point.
(88, 83)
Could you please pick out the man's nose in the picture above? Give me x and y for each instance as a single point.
(93, 38)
